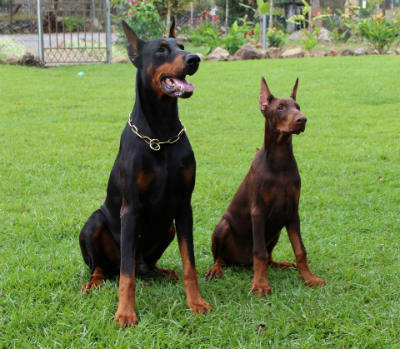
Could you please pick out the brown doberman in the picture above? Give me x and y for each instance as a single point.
(267, 200)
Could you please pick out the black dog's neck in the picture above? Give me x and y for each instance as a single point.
(278, 148)
(154, 117)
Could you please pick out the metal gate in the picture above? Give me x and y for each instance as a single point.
(74, 31)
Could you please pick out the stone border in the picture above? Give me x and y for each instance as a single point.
(250, 52)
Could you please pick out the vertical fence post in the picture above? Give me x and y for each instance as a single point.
(40, 31)
(264, 31)
(108, 32)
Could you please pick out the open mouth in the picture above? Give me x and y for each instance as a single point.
(299, 130)
(179, 87)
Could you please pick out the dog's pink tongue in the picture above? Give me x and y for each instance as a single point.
(183, 85)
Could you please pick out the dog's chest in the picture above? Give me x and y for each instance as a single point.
(280, 198)
(167, 182)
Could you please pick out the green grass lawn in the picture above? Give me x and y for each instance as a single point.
(59, 135)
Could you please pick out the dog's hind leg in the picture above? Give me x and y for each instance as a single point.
(275, 264)
(221, 230)
(99, 250)
(147, 263)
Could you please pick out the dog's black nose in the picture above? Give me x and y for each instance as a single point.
(192, 59)
(301, 120)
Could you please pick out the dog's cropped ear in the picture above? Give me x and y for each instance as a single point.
(266, 96)
(294, 92)
(172, 29)
(133, 43)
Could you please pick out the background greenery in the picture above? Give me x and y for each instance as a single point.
(59, 135)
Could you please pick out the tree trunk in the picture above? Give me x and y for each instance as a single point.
(226, 12)
(271, 17)
(315, 10)
(191, 13)
(168, 15)
(11, 11)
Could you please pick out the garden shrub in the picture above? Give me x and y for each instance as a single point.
(142, 17)
(379, 32)
(276, 37)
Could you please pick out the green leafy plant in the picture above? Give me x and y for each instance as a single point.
(142, 16)
(74, 23)
(379, 32)
(276, 37)
(304, 19)
(262, 8)
(311, 39)
(207, 33)
(236, 35)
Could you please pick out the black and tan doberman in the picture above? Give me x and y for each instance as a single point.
(151, 183)
(267, 200)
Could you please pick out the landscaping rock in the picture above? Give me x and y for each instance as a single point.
(360, 52)
(263, 53)
(398, 51)
(31, 60)
(219, 54)
(297, 35)
(12, 60)
(318, 54)
(347, 52)
(119, 60)
(306, 54)
(293, 53)
(274, 52)
(324, 35)
(247, 52)
(390, 52)
(333, 52)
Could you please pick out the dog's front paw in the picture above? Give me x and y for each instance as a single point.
(214, 272)
(126, 319)
(200, 306)
(314, 281)
(261, 289)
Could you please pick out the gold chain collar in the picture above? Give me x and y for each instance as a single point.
(154, 143)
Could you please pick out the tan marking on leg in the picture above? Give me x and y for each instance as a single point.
(125, 314)
(216, 270)
(302, 263)
(193, 296)
(169, 274)
(143, 179)
(280, 265)
(260, 284)
(96, 281)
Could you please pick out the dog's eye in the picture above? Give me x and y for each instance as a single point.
(162, 49)
(281, 107)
